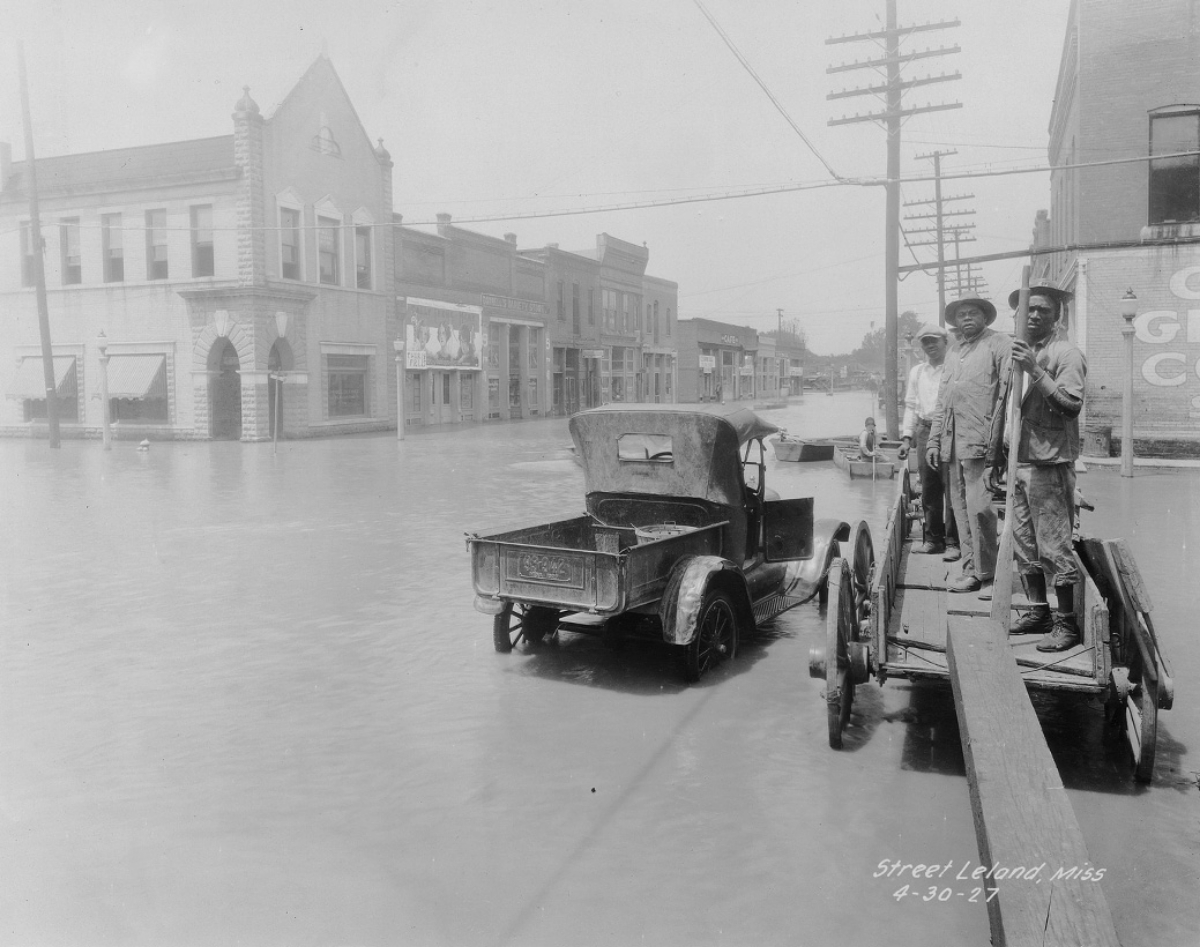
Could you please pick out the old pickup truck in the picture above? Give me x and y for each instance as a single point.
(681, 540)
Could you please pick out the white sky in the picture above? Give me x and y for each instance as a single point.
(520, 107)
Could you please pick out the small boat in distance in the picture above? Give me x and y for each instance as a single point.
(857, 466)
(801, 451)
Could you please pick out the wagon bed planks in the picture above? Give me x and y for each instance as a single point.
(1022, 816)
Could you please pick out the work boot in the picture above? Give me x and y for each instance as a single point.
(929, 548)
(965, 583)
(952, 554)
(1036, 621)
(1064, 636)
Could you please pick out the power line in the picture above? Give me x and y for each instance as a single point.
(762, 85)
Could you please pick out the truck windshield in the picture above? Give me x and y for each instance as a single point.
(647, 448)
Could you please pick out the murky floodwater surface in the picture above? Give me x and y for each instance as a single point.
(245, 698)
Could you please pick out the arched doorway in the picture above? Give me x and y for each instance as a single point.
(278, 361)
(225, 391)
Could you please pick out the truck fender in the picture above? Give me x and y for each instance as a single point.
(808, 578)
(683, 597)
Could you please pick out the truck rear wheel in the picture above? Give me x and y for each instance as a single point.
(716, 636)
(517, 621)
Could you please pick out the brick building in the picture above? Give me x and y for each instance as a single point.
(239, 281)
(474, 318)
(716, 361)
(1127, 88)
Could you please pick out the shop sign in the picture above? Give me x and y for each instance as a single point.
(708, 363)
(731, 340)
(593, 353)
(1177, 329)
(514, 305)
(449, 337)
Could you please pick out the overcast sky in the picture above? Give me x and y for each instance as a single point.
(521, 108)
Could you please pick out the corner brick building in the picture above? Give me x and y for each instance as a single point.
(1128, 88)
(240, 282)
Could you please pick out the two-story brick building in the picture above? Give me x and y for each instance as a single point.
(1128, 89)
(474, 319)
(233, 283)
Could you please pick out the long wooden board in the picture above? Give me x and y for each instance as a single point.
(1023, 818)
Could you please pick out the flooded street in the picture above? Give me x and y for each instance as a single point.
(245, 699)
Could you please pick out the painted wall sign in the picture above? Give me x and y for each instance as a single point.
(437, 337)
(1178, 328)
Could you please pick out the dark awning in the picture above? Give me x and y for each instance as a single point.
(30, 380)
(137, 376)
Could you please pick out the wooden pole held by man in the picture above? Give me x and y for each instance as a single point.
(1002, 586)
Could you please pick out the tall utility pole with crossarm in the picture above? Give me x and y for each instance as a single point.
(891, 91)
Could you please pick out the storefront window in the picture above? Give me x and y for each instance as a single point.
(347, 385)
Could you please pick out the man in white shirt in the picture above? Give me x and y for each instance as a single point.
(920, 399)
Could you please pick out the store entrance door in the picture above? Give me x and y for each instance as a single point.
(439, 400)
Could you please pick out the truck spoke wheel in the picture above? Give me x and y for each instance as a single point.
(716, 636)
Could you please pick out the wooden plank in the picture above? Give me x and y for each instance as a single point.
(1023, 819)
(1123, 559)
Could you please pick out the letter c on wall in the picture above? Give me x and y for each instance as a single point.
(1179, 283)
(1151, 374)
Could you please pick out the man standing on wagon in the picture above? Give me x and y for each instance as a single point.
(920, 400)
(1044, 493)
(962, 434)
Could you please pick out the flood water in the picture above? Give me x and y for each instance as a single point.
(245, 699)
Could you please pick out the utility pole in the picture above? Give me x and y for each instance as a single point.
(35, 249)
(941, 237)
(892, 91)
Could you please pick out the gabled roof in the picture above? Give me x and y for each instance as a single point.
(126, 168)
(321, 69)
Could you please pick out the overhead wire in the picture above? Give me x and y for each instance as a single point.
(762, 85)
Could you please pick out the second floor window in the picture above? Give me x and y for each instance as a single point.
(327, 250)
(113, 248)
(156, 244)
(1175, 181)
(202, 241)
(27, 259)
(591, 307)
(289, 242)
(362, 257)
(68, 237)
(562, 310)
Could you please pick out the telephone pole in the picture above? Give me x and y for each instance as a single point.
(35, 248)
(892, 91)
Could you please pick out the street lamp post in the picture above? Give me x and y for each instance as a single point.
(398, 345)
(105, 428)
(1128, 311)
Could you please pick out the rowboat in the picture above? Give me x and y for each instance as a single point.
(853, 463)
(794, 449)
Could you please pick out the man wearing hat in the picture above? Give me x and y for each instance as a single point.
(920, 400)
(1044, 491)
(963, 434)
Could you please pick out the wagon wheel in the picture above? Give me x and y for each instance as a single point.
(844, 655)
(1132, 709)
(1142, 710)
(862, 572)
(716, 636)
(517, 621)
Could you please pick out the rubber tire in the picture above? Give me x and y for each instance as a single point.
(716, 637)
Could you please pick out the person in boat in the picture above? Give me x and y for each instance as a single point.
(920, 400)
(1044, 494)
(867, 441)
(962, 435)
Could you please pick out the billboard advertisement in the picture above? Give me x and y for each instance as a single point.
(443, 335)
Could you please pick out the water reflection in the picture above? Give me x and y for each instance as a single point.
(244, 696)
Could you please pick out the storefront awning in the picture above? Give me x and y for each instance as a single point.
(137, 376)
(30, 380)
